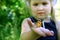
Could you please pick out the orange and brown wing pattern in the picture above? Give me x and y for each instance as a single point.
(38, 23)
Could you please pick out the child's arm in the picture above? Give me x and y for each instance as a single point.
(27, 33)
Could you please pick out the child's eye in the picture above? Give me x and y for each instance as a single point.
(44, 3)
(36, 4)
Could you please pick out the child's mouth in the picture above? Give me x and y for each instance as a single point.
(41, 13)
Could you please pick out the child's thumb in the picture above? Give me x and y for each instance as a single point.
(31, 24)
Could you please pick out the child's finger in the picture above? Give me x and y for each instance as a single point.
(52, 33)
(47, 32)
(31, 24)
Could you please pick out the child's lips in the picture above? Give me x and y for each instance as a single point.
(41, 13)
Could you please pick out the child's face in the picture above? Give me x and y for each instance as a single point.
(40, 8)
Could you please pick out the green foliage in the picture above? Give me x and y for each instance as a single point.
(12, 13)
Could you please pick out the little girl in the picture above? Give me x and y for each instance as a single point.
(40, 26)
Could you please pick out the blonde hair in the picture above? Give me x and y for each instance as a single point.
(53, 14)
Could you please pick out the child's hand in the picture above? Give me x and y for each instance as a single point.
(41, 31)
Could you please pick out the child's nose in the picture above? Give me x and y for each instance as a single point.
(40, 7)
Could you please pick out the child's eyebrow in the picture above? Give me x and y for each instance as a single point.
(39, 1)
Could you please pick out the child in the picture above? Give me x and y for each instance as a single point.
(40, 26)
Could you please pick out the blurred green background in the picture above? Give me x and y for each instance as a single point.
(12, 13)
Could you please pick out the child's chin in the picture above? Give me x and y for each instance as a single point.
(41, 17)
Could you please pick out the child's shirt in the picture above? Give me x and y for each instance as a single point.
(51, 26)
